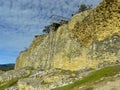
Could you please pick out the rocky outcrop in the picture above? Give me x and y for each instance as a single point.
(114, 84)
(102, 22)
(1, 72)
(23, 59)
(91, 39)
(9, 79)
(48, 80)
(13, 74)
(12, 88)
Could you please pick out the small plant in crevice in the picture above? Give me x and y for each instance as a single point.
(54, 26)
(83, 7)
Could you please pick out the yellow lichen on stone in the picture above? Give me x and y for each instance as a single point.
(99, 23)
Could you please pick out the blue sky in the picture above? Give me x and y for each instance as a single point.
(21, 20)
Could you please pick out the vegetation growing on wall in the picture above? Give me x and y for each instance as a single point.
(54, 26)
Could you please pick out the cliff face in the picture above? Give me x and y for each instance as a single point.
(24, 58)
(102, 22)
(90, 39)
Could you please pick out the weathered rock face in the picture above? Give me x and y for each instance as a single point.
(1, 72)
(22, 60)
(91, 39)
(13, 74)
(110, 85)
(49, 79)
(102, 22)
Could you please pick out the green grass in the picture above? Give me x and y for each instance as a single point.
(90, 88)
(93, 76)
(8, 84)
(12, 82)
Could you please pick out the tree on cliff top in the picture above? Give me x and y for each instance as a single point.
(54, 26)
(84, 7)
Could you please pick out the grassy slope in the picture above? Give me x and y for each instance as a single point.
(93, 76)
(11, 82)
(8, 84)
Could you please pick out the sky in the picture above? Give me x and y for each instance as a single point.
(21, 20)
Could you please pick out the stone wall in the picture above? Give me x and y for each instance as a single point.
(102, 22)
(91, 39)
